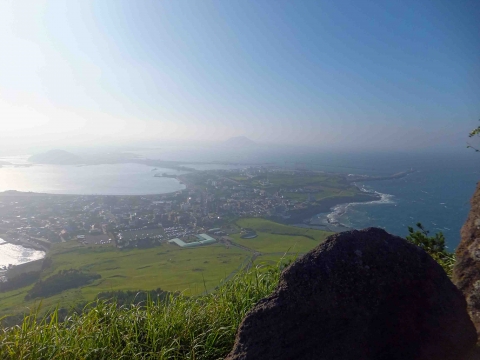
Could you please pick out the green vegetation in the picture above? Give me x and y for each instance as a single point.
(474, 132)
(434, 246)
(123, 322)
(167, 267)
(289, 179)
(266, 226)
(178, 328)
(121, 298)
(277, 244)
(61, 281)
(277, 239)
(20, 281)
(300, 186)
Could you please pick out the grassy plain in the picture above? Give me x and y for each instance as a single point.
(266, 226)
(277, 244)
(168, 267)
(276, 239)
(297, 186)
(320, 195)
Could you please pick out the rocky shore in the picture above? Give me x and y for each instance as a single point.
(301, 215)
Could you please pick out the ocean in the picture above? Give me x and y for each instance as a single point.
(16, 254)
(437, 194)
(437, 198)
(109, 179)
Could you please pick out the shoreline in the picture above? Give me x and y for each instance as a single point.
(339, 210)
(26, 244)
(303, 215)
(5, 271)
(330, 206)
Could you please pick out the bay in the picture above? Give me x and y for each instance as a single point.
(437, 195)
(107, 179)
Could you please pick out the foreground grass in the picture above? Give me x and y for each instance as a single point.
(183, 327)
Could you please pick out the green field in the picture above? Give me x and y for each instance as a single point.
(320, 195)
(168, 267)
(321, 186)
(278, 244)
(274, 238)
(266, 226)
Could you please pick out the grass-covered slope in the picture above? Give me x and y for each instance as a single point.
(183, 327)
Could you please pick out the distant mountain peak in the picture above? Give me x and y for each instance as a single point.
(240, 141)
(57, 157)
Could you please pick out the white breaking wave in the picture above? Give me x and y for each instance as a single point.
(16, 254)
(339, 210)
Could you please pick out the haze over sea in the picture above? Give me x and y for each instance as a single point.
(437, 195)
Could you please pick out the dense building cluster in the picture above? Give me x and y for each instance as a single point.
(211, 198)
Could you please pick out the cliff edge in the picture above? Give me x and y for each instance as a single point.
(466, 273)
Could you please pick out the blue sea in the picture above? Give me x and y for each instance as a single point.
(437, 194)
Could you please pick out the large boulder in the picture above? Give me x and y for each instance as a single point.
(360, 295)
(466, 273)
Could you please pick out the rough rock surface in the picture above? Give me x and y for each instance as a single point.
(466, 273)
(360, 295)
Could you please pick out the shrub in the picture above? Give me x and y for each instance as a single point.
(63, 280)
(434, 246)
(19, 281)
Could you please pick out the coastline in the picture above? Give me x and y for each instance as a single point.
(325, 205)
(332, 208)
(340, 209)
(26, 244)
(18, 255)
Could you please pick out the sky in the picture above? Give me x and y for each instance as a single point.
(351, 74)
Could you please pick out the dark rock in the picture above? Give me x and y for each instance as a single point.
(474, 354)
(466, 273)
(360, 295)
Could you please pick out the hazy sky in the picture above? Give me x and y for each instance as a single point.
(365, 74)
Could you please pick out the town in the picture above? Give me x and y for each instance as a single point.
(211, 200)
